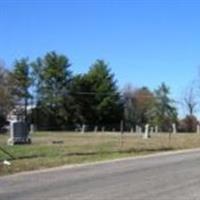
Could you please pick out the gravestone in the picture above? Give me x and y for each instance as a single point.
(32, 128)
(83, 129)
(19, 133)
(156, 129)
(138, 129)
(198, 129)
(132, 131)
(96, 129)
(174, 128)
(146, 133)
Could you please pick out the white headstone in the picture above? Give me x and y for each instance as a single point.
(146, 133)
(174, 128)
(32, 128)
(138, 129)
(156, 129)
(132, 130)
(198, 129)
(95, 129)
(83, 129)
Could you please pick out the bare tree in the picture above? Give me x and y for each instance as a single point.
(6, 100)
(138, 104)
(190, 100)
(129, 111)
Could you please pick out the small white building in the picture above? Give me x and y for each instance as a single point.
(17, 113)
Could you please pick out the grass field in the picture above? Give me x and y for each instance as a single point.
(51, 149)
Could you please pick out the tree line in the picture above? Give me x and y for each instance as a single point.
(63, 100)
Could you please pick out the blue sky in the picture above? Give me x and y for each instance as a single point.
(144, 42)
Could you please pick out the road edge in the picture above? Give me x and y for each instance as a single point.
(71, 166)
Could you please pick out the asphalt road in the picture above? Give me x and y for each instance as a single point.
(166, 177)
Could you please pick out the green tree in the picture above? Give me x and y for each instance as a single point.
(37, 67)
(52, 80)
(107, 105)
(22, 82)
(165, 112)
(82, 97)
(96, 96)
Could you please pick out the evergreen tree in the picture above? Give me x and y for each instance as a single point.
(52, 79)
(21, 83)
(82, 96)
(96, 96)
(106, 102)
(165, 112)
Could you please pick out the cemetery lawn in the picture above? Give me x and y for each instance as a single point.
(50, 149)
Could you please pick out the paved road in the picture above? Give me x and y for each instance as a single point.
(166, 177)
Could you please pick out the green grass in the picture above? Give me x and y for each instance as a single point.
(77, 148)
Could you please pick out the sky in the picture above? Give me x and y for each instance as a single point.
(145, 42)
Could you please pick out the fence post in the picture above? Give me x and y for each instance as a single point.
(121, 133)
